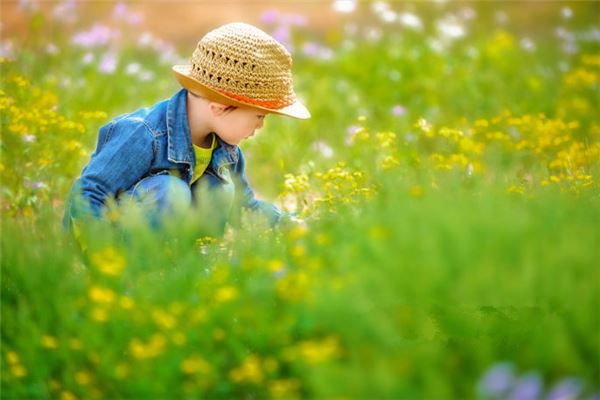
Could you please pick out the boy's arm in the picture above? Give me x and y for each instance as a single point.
(246, 194)
(124, 155)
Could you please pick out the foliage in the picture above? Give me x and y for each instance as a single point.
(448, 184)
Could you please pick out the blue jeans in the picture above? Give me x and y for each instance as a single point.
(162, 195)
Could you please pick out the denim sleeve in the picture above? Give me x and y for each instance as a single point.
(123, 156)
(246, 194)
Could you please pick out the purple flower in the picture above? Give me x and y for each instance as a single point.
(310, 49)
(269, 16)
(120, 10)
(398, 110)
(7, 49)
(99, 35)
(294, 20)
(282, 35)
(66, 11)
(528, 387)
(567, 389)
(135, 18)
(497, 381)
(352, 129)
(28, 5)
(108, 64)
(351, 132)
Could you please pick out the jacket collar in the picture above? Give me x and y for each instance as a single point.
(180, 149)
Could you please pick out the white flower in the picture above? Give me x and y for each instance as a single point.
(87, 58)
(108, 64)
(132, 68)
(450, 28)
(410, 20)
(566, 12)
(323, 148)
(527, 44)
(344, 6)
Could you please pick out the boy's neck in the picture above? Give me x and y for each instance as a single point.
(199, 132)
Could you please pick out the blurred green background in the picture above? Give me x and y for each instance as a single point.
(448, 180)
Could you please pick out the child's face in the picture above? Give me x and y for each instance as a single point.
(235, 125)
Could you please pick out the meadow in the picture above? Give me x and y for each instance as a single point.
(448, 181)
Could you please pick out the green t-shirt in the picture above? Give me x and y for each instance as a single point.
(203, 157)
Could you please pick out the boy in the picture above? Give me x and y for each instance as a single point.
(161, 156)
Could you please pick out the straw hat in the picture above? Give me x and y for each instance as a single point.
(238, 64)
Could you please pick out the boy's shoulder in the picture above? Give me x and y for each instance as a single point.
(152, 117)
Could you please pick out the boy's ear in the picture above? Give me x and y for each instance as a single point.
(216, 108)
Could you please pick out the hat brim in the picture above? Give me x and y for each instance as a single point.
(182, 74)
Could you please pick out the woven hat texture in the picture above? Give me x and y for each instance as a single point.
(241, 65)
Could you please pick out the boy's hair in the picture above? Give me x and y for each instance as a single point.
(227, 109)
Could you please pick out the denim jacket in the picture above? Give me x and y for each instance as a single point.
(152, 141)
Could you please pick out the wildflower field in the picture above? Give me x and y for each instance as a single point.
(449, 184)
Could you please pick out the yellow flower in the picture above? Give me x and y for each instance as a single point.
(516, 189)
(66, 395)
(101, 295)
(298, 251)
(296, 183)
(49, 342)
(178, 339)
(379, 232)
(53, 384)
(318, 351)
(416, 191)
(389, 162)
(195, 364)
(18, 371)
(481, 123)
(121, 370)
(425, 127)
(386, 139)
(322, 239)
(275, 265)
(226, 293)
(99, 314)
(218, 334)
(12, 358)
(152, 349)
(297, 232)
(83, 378)
(163, 319)
(108, 261)
(293, 286)
(126, 303)
(249, 371)
(284, 388)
